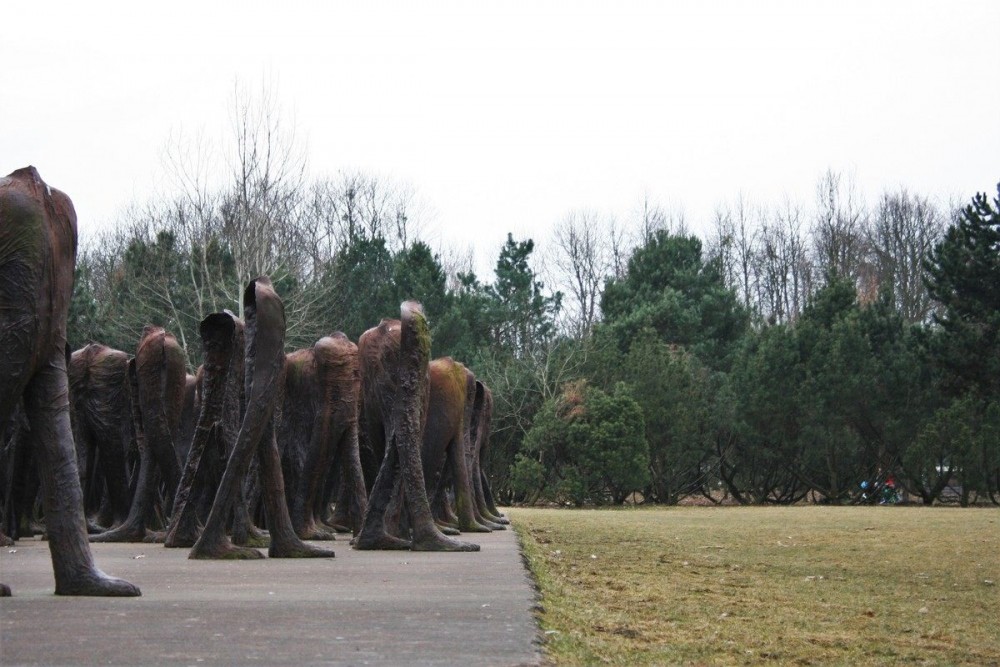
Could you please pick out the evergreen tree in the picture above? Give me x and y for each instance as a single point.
(586, 446)
(670, 289)
(417, 274)
(758, 460)
(358, 288)
(462, 330)
(963, 274)
(673, 389)
(522, 318)
(84, 324)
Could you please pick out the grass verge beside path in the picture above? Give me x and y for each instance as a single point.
(785, 585)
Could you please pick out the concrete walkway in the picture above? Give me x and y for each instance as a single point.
(360, 608)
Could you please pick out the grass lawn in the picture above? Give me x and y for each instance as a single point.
(784, 585)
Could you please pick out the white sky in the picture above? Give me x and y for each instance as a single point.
(504, 116)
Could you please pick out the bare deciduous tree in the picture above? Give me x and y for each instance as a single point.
(840, 227)
(733, 243)
(456, 262)
(763, 255)
(650, 217)
(259, 211)
(224, 222)
(580, 260)
(782, 264)
(904, 229)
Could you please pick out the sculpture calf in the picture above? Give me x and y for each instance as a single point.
(479, 442)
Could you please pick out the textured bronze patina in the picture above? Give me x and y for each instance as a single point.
(395, 393)
(37, 260)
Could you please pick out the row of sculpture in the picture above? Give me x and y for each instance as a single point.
(372, 438)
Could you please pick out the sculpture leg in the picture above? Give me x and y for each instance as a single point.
(490, 502)
(90, 482)
(19, 466)
(426, 535)
(446, 521)
(373, 535)
(309, 486)
(157, 371)
(13, 366)
(245, 531)
(464, 503)
(352, 478)
(481, 503)
(133, 529)
(340, 518)
(183, 528)
(482, 513)
(213, 542)
(407, 432)
(110, 450)
(217, 341)
(284, 542)
(47, 408)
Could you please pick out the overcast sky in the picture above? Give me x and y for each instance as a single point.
(504, 116)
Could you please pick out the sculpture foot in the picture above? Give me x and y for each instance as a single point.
(180, 541)
(300, 550)
(439, 542)
(382, 542)
(493, 525)
(257, 538)
(4, 591)
(474, 528)
(314, 532)
(340, 528)
(182, 538)
(94, 528)
(223, 551)
(155, 537)
(338, 523)
(96, 583)
(495, 517)
(489, 517)
(123, 533)
(448, 530)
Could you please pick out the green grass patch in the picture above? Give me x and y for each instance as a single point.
(782, 585)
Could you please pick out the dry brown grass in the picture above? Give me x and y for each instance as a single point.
(781, 585)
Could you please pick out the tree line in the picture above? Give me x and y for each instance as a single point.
(792, 354)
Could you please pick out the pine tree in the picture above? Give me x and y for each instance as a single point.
(963, 274)
(522, 316)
